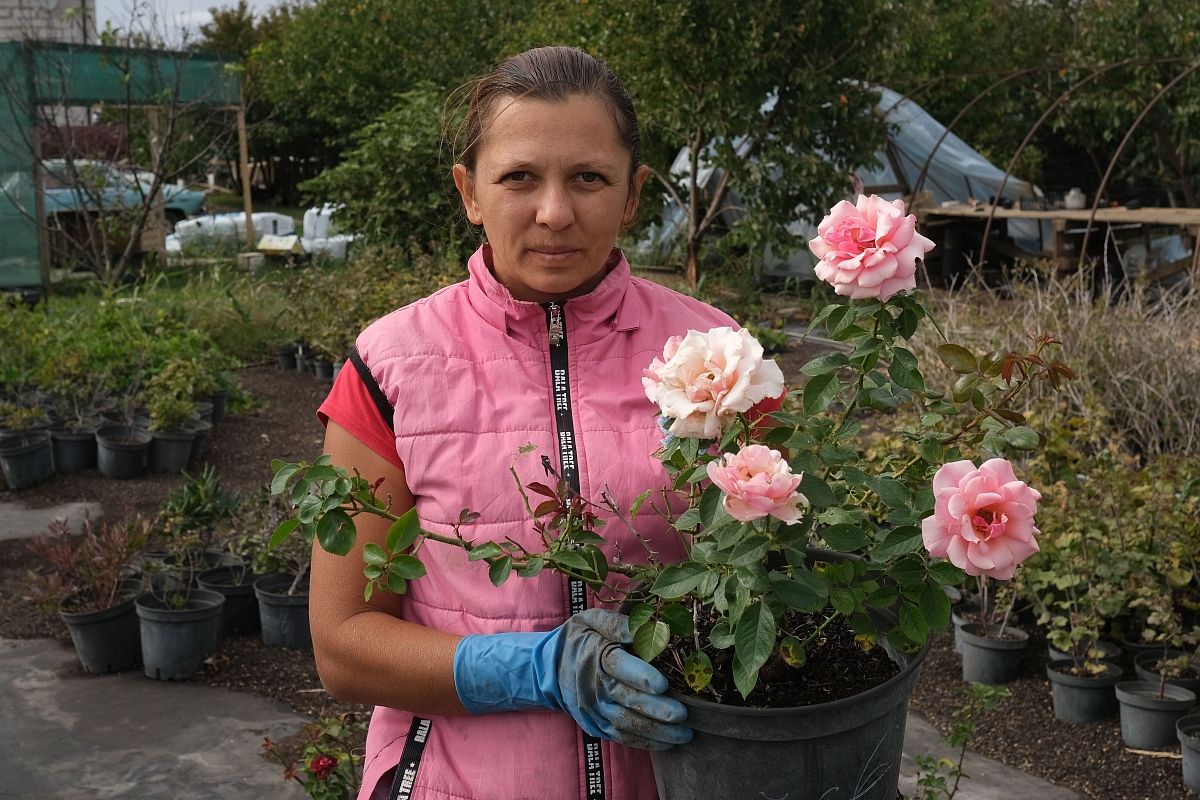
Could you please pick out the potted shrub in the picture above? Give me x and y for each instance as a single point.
(87, 584)
(792, 567)
(79, 391)
(26, 455)
(168, 398)
(282, 592)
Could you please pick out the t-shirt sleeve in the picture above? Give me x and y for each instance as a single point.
(349, 404)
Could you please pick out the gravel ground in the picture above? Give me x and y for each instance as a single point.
(1021, 732)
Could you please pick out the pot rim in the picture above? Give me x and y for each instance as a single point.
(1134, 693)
(1111, 676)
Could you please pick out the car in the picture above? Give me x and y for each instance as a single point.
(80, 185)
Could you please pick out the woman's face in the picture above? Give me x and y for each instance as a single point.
(551, 188)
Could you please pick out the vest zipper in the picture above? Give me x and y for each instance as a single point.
(556, 328)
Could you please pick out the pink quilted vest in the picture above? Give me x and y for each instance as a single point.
(468, 372)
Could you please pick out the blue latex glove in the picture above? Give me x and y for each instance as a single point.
(580, 668)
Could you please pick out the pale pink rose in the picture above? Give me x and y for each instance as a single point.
(869, 249)
(982, 518)
(757, 482)
(704, 379)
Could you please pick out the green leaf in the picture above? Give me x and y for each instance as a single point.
(481, 552)
(825, 365)
(793, 652)
(800, 592)
(947, 574)
(904, 370)
(698, 670)
(824, 314)
(963, 387)
(374, 554)
(819, 392)
(842, 600)
(651, 639)
(720, 636)
(817, 491)
(893, 492)
(1022, 438)
(902, 540)
(844, 538)
(407, 567)
(321, 473)
(689, 520)
(640, 614)
(912, 622)
(636, 506)
(678, 617)
(710, 502)
(678, 580)
(957, 358)
(532, 567)
(935, 606)
(335, 532)
(750, 550)
(500, 570)
(396, 584)
(571, 560)
(282, 532)
(753, 641)
(403, 532)
(283, 474)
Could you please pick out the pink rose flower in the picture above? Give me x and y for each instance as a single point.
(869, 249)
(757, 482)
(704, 379)
(982, 518)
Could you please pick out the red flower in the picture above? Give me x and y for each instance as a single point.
(321, 766)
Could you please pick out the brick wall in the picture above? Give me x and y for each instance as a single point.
(47, 20)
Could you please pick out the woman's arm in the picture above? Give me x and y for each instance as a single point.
(364, 652)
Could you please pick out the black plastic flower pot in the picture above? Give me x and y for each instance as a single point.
(1105, 651)
(74, 450)
(202, 435)
(220, 402)
(176, 640)
(1187, 730)
(26, 458)
(323, 369)
(1147, 717)
(987, 658)
(170, 450)
(283, 617)
(850, 747)
(240, 614)
(960, 615)
(1083, 698)
(286, 357)
(1146, 664)
(205, 409)
(105, 641)
(122, 452)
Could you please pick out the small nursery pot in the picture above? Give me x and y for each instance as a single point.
(203, 432)
(121, 452)
(105, 641)
(240, 612)
(1082, 698)
(175, 641)
(323, 369)
(26, 458)
(990, 660)
(1187, 730)
(170, 450)
(74, 449)
(286, 357)
(1148, 720)
(1144, 666)
(284, 617)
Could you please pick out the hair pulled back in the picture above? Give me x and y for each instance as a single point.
(552, 74)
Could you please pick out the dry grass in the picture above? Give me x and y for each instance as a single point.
(1137, 354)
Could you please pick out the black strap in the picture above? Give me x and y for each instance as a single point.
(381, 402)
(556, 325)
(410, 760)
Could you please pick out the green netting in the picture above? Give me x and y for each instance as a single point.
(64, 74)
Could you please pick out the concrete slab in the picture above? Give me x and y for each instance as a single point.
(19, 522)
(989, 780)
(71, 736)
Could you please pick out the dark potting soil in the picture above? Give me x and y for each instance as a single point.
(837, 667)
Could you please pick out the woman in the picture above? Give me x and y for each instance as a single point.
(493, 693)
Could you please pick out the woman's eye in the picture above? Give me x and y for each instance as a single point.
(591, 177)
(516, 177)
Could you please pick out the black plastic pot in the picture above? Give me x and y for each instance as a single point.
(105, 641)
(1147, 720)
(991, 660)
(284, 617)
(170, 450)
(846, 748)
(1083, 698)
(203, 433)
(240, 613)
(1107, 652)
(1187, 730)
(1135, 649)
(74, 449)
(323, 369)
(1145, 663)
(26, 458)
(175, 641)
(122, 452)
(205, 409)
(220, 401)
(286, 357)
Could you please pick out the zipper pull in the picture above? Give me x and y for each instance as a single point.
(556, 324)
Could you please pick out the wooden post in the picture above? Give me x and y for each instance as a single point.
(244, 169)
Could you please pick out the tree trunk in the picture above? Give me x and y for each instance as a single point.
(693, 272)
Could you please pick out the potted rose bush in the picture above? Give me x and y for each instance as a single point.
(795, 625)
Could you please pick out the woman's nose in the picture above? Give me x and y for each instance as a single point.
(554, 208)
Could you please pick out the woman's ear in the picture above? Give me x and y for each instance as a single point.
(635, 193)
(465, 182)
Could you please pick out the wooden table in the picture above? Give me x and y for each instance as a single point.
(1068, 223)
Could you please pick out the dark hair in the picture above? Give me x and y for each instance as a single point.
(553, 74)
